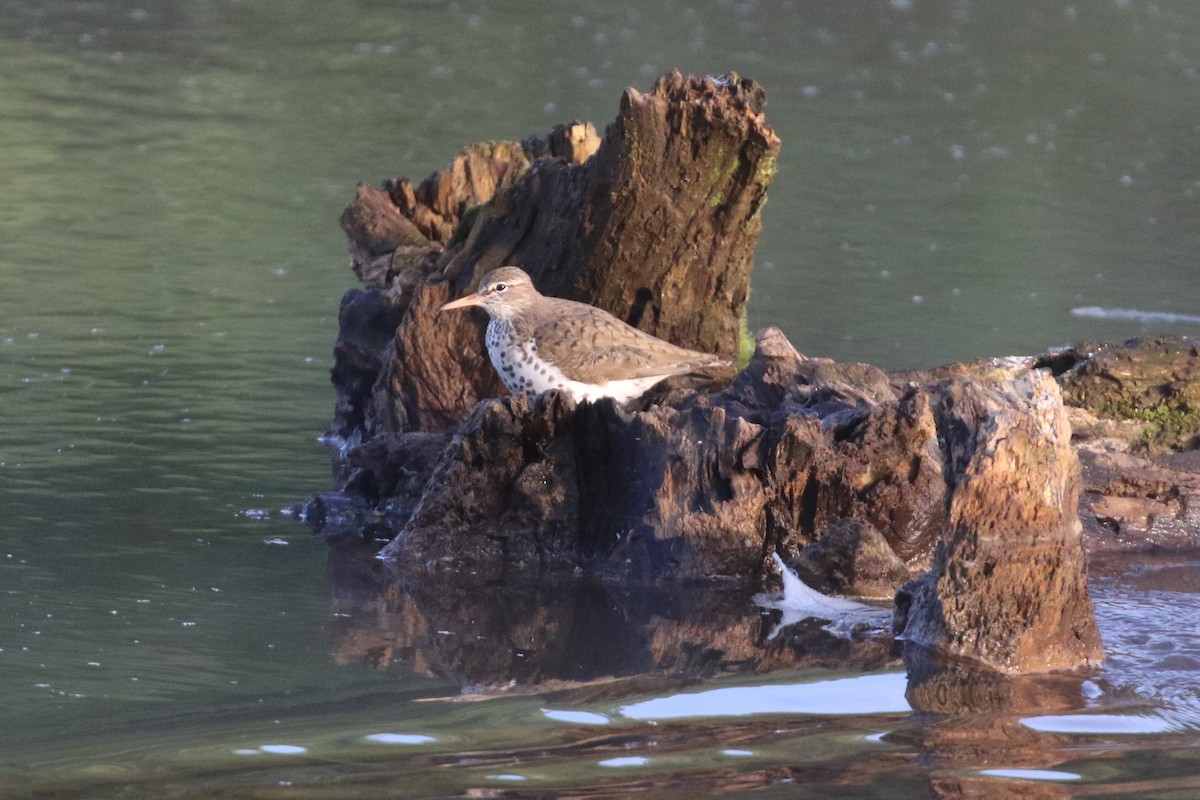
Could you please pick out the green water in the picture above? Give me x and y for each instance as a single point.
(956, 177)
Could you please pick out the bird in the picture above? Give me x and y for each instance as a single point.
(538, 343)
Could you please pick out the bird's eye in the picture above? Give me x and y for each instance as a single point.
(500, 287)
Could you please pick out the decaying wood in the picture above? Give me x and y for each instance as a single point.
(1008, 586)
(863, 473)
(656, 223)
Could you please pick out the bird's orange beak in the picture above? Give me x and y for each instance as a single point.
(462, 302)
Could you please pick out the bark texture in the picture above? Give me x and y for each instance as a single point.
(854, 474)
(695, 486)
(655, 222)
(1008, 585)
(1135, 419)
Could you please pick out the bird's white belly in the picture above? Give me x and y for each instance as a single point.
(525, 372)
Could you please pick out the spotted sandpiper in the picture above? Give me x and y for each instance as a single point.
(538, 343)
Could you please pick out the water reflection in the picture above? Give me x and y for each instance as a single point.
(603, 662)
(519, 634)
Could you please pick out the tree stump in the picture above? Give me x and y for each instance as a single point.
(1008, 585)
(655, 223)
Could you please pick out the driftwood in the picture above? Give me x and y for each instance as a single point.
(866, 480)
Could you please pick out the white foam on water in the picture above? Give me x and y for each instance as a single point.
(1135, 315)
(799, 602)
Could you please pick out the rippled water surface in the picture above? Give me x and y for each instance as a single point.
(958, 179)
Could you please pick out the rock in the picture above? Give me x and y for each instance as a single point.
(1008, 585)
(709, 487)
(712, 486)
(503, 494)
(1137, 502)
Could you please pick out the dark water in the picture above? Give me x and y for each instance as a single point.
(956, 178)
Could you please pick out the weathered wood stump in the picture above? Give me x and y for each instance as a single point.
(1135, 419)
(656, 223)
(1008, 586)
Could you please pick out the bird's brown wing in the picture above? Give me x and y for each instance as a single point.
(591, 345)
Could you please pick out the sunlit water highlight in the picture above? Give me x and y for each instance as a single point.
(867, 694)
(1032, 774)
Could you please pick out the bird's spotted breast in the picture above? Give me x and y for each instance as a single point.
(584, 350)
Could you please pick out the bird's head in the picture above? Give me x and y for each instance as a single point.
(503, 292)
